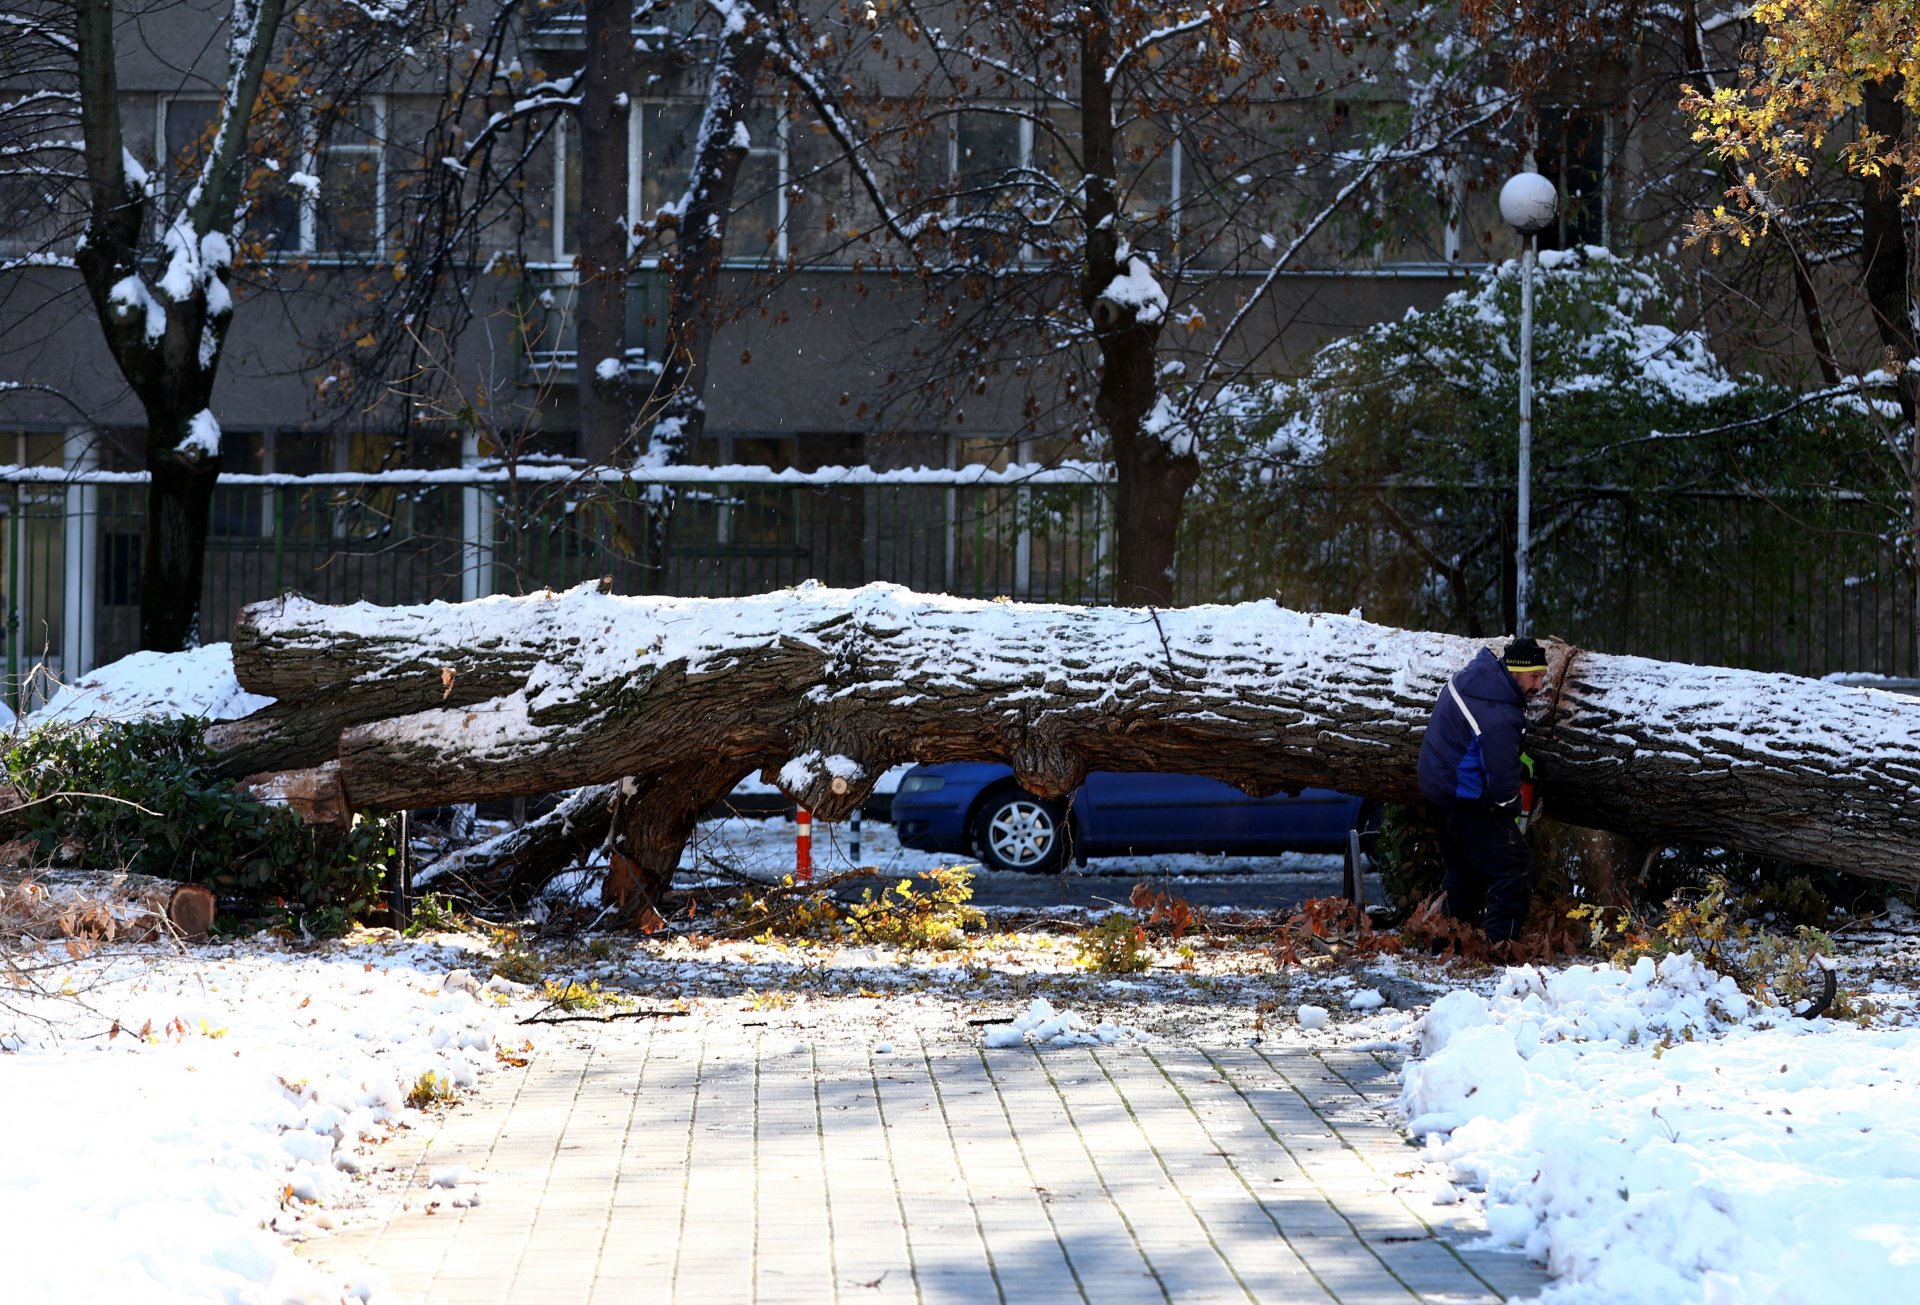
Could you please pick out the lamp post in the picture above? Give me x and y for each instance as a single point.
(1529, 203)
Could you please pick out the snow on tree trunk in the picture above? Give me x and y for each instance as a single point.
(822, 690)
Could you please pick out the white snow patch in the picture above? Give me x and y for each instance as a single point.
(130, 295)
(197, 1092)
(198, 682)
(1043, 1025)
(1137, 289)
(203, 436)
(1654, 1134)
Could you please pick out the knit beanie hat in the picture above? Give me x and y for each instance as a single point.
(1524, 654)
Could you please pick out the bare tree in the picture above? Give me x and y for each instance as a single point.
(158, 262)
(1022, 176)
(166, 333)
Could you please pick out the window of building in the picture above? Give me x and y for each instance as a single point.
(1005, 159)
(32, 448)
(331, 200)
(660, 141)
(185, 131)
(346, 211)
(1574, 153)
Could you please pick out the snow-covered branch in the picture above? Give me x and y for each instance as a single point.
(1374, 161)
(560, 93)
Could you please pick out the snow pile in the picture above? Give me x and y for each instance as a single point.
(1043, 1025)
(185, 1112)
(1653, 1135)
(198, 682)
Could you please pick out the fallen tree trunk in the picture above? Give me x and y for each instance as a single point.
(822, 690)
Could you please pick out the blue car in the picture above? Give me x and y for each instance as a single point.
(975, 809)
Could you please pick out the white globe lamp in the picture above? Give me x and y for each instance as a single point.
(1529, 203)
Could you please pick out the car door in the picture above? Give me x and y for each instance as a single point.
(1316, 820)
(1151, 812)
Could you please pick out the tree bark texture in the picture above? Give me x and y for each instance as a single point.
(822, 690)
(601, 231)
(1152, 477)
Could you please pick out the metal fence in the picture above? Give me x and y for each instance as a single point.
(73, 541)
(1812, 584)
(1725, 579)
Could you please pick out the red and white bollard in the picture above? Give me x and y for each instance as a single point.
(803, 846)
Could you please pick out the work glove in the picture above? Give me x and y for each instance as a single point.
(1526, 792)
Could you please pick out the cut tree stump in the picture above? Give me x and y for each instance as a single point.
(821, 690)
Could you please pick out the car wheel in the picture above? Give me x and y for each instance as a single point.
(1014, 830)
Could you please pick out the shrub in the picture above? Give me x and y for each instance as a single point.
(1116, 945)
(142, 796)
(935, 915)
(430, 1089)
(1771, 966)
(1407, 853)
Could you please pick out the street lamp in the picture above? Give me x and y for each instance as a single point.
(1529, 203)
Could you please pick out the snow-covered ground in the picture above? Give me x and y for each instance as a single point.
(1653, 1135)
(177, 1120)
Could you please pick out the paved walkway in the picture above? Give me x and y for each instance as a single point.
(687, 1161)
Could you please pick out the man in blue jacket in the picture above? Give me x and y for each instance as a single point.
(1470, 776)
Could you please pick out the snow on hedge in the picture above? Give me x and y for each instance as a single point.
(1601, 330)
(1652, 1135)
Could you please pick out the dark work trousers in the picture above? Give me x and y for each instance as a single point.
(1489, 867)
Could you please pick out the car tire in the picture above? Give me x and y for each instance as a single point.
(1014, 830)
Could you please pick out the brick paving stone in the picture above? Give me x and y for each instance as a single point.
(702, 1161)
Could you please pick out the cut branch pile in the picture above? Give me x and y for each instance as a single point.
(674, 700)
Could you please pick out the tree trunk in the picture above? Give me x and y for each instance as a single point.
(166, 338)
(603, 234)
(654, 816)
(824, 689)
(1154, 468)
(179, 499)
(1888, 279)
